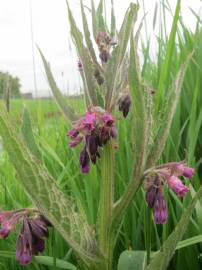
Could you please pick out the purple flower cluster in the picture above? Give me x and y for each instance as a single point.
(157, 178)
(33, 232)
(95, 128)
(104, 43)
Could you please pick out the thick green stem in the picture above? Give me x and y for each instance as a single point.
(106, 206)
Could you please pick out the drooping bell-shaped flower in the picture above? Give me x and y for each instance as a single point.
(184, 170)
(177, 186)
(165, 175)
(84, 161)
(24, 250)
(151, 196)
(33, 231)
(160, 208)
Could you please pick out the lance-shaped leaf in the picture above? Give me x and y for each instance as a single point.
(113, 20)
(45, 194)
(166, 119)
(88, 72)
(94, 20)
(163, 257)
(165, 71)
(138, 106)
(28, 135)
(100, 19)
(88, 38)
(65, 108)
(115, 62)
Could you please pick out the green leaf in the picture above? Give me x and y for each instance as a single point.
(94, 19)
(45, 260)
(167, 116)
(65, 108)
(113, 20)
(166, 67)
(132, 260)
(190, 241)
(163, 257)
(138, 107)
(116, 60)
(100, 19)
(46, 195)
(28, 134)
(88, 38)
(88, 72)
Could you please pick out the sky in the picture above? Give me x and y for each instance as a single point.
(51, 33)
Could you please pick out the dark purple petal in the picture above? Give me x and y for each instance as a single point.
(160, 209)
(124, 105)
(38, 245)
(24, 250)
(92, 143)
(105, 135)
(104, 56)
(84, 161)
(38, 228)
(151, 196)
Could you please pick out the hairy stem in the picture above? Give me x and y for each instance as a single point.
(106, 206)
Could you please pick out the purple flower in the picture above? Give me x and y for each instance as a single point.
(84, 161)
(108, 119)
(89, 121)
(24, 249)
(151, 196)
(5, 231)
(75, 141)
(124, 104)
(104, 56)
(177, 186)
(73, 133)
(155, 180)
(184, 170)
(160, 209)
(31, 239)
(95, 129)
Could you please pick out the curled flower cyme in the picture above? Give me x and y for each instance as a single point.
(159, 177)
(94, 129)
(31, 237)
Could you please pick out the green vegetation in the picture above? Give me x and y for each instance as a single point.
(8, 81)
(184, 141)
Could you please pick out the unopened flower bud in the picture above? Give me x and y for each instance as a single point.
(124, 104)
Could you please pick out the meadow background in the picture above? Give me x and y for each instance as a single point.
(185, 141)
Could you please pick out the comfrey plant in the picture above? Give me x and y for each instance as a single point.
(112, 82)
